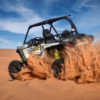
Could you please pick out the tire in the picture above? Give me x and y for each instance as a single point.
(14, 67)
(56, 66)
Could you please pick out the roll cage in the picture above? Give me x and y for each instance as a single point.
(50, 22)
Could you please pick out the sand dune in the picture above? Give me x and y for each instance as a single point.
(50, 89)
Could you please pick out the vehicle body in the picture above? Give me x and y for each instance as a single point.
(49, 41)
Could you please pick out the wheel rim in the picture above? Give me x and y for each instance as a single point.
(14, 70)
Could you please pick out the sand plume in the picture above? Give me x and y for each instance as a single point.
(81, 64)
(37, 67)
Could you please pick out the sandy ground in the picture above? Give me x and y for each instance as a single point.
(50, 89)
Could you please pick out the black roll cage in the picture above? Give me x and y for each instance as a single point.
(50, 21)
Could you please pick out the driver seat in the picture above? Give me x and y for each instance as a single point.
(48, 37)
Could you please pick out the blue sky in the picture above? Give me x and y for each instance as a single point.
(17, 15)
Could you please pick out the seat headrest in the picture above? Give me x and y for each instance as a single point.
(47, 31)
(65, 31)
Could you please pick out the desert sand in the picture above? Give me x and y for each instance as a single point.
(36, 89)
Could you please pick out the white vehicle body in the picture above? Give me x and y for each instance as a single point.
(36, 49)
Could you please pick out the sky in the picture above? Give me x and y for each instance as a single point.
(17, 15)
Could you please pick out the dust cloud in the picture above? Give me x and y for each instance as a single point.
(81, 64)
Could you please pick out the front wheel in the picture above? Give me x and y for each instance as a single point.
(14, 67)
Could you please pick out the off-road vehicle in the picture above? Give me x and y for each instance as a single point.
(50, 42)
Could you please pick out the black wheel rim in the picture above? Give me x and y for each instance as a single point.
(14, 70)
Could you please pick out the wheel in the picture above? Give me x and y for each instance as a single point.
(56, 66)
(14, 67)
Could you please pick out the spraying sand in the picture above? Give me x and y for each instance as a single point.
(36, 89)
(81, 64)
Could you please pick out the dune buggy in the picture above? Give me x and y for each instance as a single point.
(48, 42)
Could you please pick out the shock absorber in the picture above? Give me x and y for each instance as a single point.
(57, 64)
(56, 53)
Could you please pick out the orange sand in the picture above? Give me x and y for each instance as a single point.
(36, 89)
(81, 64)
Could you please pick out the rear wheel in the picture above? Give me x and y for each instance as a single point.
(14, 67)
(56, 66)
